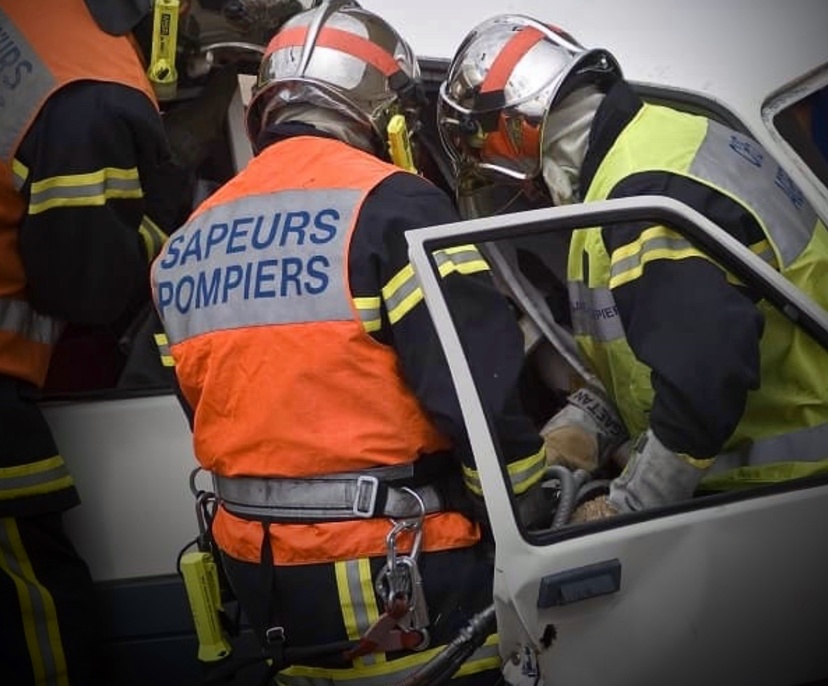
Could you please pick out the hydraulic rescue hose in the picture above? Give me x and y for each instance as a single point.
(446, 663)
(574, 488)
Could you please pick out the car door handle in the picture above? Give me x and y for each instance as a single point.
(581, 583)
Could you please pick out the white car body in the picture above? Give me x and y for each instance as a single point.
(732, 593)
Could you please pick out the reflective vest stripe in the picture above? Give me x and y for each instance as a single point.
(34, 478)
(358, 602)
(17, 317)
(484, 658)
(85, 190)
(721, 161)
(522, 474)
(803, 445)
(594, 312)
(229, 265)
(37, 607)
(656, 243)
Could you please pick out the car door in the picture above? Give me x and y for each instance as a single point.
(724, 589)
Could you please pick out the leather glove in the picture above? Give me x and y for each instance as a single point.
(583, 434)
(654, 476)
(592, 510)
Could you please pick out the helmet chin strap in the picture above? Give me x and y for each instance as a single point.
(565, 140)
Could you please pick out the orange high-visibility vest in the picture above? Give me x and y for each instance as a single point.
(43, 46)
(271, 353)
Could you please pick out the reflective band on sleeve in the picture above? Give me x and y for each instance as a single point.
(26, 86)
(20, 172)
(594, 312)
(738, 165)
(153, 237)
(267, 259)
(656, 243)
(402, 293)
(84, 190)
(803, 445)
(16, 316)
(40, 621)
(36, 478)
(164, 350)
(522, 474)
(369, 313)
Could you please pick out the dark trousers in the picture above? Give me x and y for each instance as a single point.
(333, 603)
(46, 605)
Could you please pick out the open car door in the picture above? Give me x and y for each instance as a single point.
(727, 589)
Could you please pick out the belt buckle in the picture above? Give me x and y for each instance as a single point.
(365, 499)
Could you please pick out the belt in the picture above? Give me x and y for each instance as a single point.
(331, 497)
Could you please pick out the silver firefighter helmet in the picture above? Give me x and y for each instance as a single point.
(505, 77)
(341, 57)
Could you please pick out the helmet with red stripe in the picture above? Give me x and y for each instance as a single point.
(505, 77)
(342, 57)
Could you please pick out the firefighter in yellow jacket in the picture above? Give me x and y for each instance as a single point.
(322, 403)
(80, 138)
(713, 384)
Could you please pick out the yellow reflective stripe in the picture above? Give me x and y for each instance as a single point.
(164, 350)
(368, 309)
(402, 292)
(697, 463)
(85, 190)
(485, 657)
(34, 478)
(345, 601)
(484, 660)
(153, 237)
(359, 606)
(20, 172)
(528, 471)
(523, 473)
(40, 623)
(656, 243)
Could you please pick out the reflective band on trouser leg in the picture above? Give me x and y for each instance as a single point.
(37, 609)
(358, 602)
(484, 658)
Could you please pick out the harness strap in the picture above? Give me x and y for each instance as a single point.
(335, 497)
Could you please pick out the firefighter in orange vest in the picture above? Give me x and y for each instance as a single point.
(80, 137)
(322, 403)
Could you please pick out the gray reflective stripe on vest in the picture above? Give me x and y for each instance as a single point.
(25, 85)
(381, 673)
(732, 162)
(594, 312)
(803, 445)
(16, 316)
(335, 497)
(268, 259)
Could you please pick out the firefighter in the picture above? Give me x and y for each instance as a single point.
(82, 150)
(322, 403)
(716, 388)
